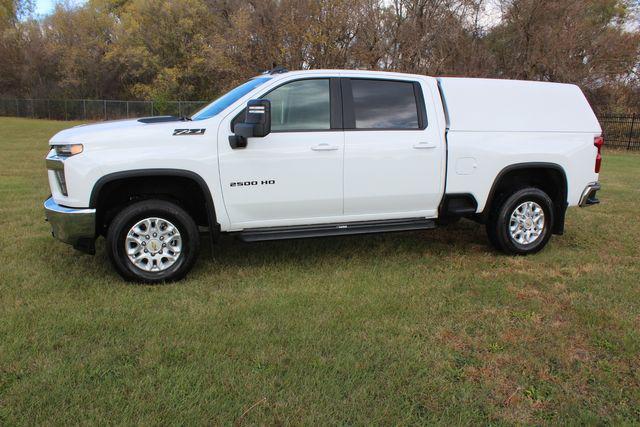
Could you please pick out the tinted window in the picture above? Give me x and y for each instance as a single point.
(229, 98)
(380, 104)
(301, 105)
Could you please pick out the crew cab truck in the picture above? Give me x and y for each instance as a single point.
(327, 152)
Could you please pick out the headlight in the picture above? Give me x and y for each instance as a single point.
(68, 150)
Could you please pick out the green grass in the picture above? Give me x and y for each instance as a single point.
(412, 328)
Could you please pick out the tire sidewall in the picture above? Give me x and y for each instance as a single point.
(129, 216)
(504, 218)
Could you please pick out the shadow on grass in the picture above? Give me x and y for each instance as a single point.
(464, 238)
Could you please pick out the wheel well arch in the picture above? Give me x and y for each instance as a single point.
(114, 191)
(549, 177)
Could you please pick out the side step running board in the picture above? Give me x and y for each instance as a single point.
(320, 230)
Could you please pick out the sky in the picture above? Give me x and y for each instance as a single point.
(45, 7)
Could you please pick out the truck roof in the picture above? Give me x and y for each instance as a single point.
(493, 105)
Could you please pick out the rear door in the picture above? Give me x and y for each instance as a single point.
(393, 155)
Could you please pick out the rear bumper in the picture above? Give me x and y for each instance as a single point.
(588, 196)
(76, 227)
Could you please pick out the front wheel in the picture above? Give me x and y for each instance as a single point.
(522, 224)
(153, 241)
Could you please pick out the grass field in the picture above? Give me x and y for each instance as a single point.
(412, 328)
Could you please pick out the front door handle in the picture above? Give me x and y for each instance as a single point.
(424, 144)
(324, 147)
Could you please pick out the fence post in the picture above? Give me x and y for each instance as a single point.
(151, 108)
(127, 103)
(33, 110)
(633, 122)
(65, 110)
(17, 108)
(105, 109)
(84, 109)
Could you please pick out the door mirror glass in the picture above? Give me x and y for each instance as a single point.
(259, 115)
(257, 123)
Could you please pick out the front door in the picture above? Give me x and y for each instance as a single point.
(393, 155)
(293, 175)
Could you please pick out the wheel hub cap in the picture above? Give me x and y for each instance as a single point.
(527, 223)
(153, 244)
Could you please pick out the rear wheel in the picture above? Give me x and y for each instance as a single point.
(153, 241)
(522, 222)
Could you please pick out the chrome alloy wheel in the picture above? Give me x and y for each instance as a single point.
(527, 223)
(153, 244)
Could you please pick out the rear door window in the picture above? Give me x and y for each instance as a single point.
(384, 104)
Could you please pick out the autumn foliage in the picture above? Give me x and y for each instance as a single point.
(195, 49)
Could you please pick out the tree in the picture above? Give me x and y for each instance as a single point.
(197, 49)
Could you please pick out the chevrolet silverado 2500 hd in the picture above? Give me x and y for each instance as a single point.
(327, 152)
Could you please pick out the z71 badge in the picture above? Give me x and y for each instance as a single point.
(179, 132)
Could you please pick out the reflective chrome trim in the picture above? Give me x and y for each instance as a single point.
(587, 193)
(55, 162)
(527, 223)
(76, 227)
(153, 244)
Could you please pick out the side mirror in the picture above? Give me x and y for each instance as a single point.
(257, 123)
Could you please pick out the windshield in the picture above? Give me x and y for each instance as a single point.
(229, 98)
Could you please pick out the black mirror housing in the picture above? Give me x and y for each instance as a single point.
(257, 123)
(259, 115)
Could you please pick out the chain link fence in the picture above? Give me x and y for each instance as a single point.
(95, 109)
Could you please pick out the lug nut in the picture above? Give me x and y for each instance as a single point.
(146, 251)
(155, 234)
(147, 236)
(161, 238)
(164, 245)
(144, 243)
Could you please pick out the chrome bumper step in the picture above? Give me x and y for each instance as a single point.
(588, 197)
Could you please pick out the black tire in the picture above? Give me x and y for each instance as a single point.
(130, 216)
(498, 224)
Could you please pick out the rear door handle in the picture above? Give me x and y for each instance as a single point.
(324, 147)
(424, 144)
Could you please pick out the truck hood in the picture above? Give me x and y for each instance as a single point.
(120, 130)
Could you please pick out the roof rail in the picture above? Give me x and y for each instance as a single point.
(276, 70)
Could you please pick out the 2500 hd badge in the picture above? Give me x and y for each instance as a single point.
(248, 183)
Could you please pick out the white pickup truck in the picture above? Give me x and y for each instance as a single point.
(322, 153)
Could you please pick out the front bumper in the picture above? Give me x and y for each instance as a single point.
(588, 196)
(76, 227)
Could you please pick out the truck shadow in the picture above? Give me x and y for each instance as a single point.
(459, 238)
(464, 238)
